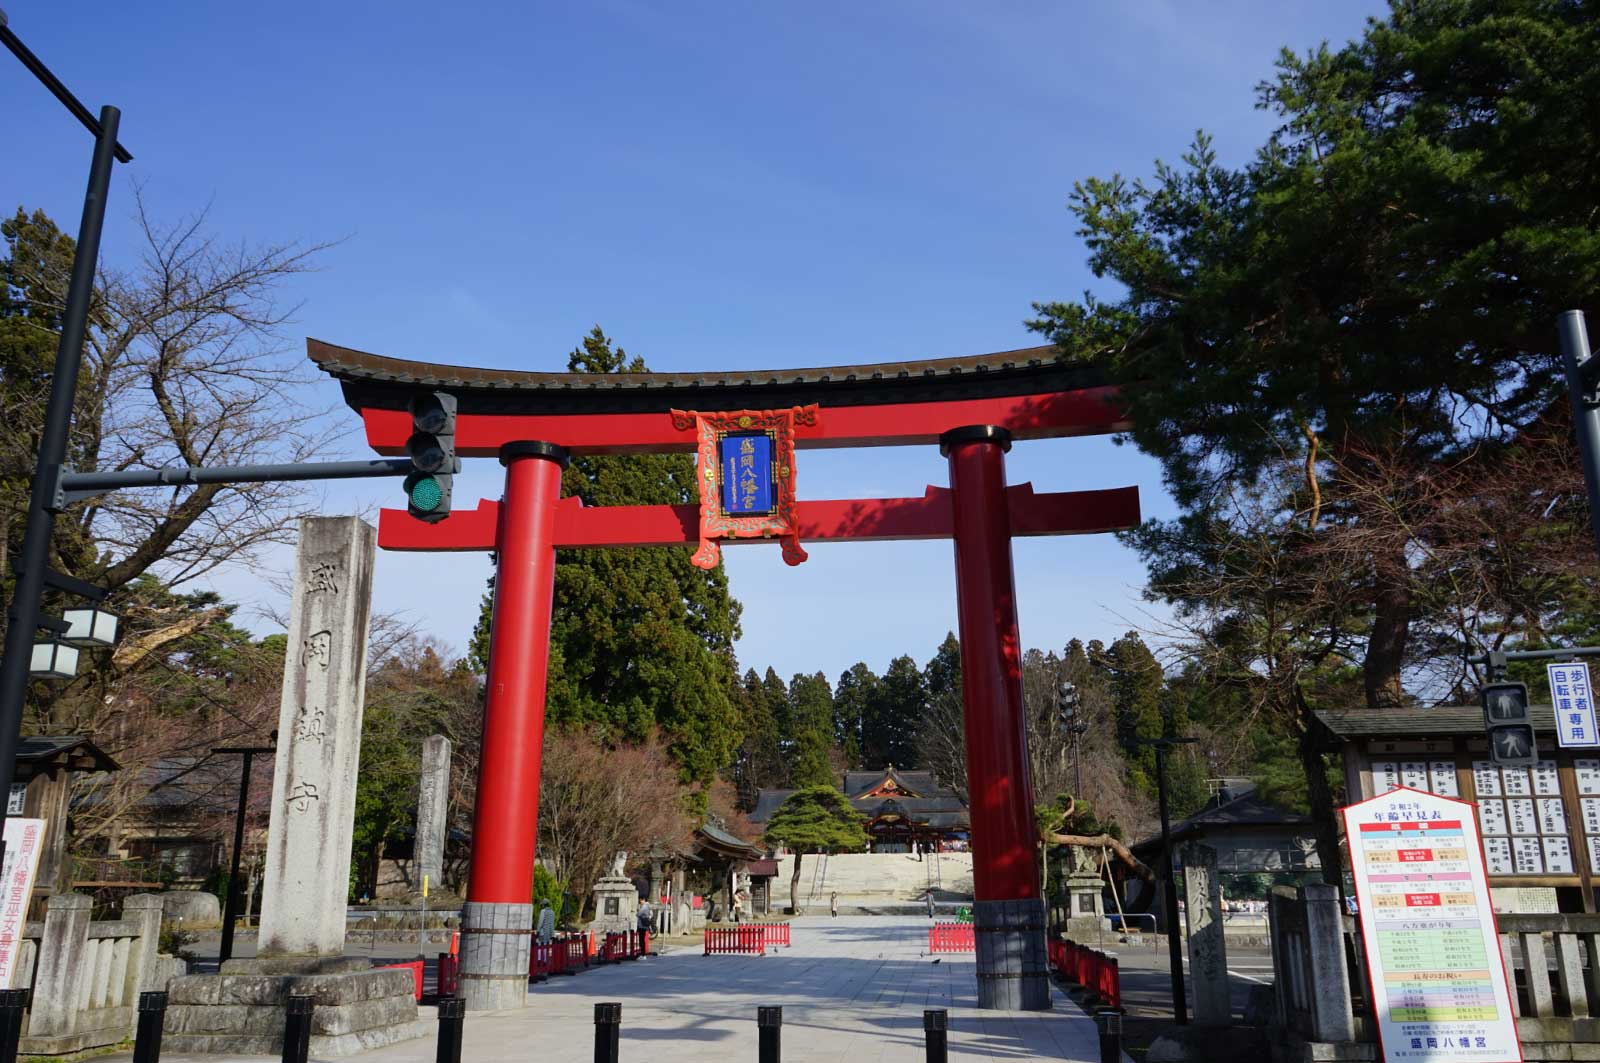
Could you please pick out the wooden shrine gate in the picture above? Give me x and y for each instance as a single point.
(972, 408)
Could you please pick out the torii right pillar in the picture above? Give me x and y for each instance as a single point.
(1008, 913)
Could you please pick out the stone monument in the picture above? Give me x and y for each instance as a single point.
(1208, 958)
(616, 900)
(1084, 887)
(433, 794)
(301, 948)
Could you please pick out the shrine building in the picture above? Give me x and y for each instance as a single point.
(900, 807)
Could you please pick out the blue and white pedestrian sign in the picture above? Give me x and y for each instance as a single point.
(1573, 699)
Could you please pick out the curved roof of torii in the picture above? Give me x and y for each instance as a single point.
(375, 381)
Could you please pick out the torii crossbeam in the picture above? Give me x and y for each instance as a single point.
(971, 407)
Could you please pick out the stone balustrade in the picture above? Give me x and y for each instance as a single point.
(1320, 979)
(86, 976)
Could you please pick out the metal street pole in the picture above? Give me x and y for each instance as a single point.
(23, 616)
(231, 908)
(1584, 390)
(1180, 1006)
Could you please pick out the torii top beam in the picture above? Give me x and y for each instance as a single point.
(1031, 392)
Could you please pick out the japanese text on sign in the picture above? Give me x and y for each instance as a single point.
(24, 839)
(1573, 700)
(1437, 980)
(746, 473)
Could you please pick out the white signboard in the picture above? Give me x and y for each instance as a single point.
(19, 799)
(1573, 701)
(1429, 930)
(24, 840)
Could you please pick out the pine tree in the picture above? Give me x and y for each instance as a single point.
(817, 819)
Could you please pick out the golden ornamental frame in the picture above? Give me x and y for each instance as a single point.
(780, 524)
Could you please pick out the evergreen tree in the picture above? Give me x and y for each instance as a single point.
(640, 639)
(811, 730)
(889, 733)
(942, 676)
(852, 706)
(758, 763)
(776, 693)
(1136, 697)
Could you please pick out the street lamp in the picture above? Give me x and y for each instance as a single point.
(90, 627)
(32, 558)
(53, 660)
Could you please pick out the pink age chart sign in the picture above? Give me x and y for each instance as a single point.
(1434, 968)
(24, 838)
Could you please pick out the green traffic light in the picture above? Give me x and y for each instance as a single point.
(426, 494)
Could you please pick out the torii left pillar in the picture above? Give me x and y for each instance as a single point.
(497, 922)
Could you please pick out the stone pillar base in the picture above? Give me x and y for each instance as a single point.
(243, 1013)
(495, 941)
(1013, 967)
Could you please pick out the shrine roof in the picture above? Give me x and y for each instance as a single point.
(1250, 813)
(1417, 722)
(375, 381)
(42, 753)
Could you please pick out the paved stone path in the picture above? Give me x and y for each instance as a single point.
(852, 991)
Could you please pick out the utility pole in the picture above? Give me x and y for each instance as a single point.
(23, 616)
(1180, 1005)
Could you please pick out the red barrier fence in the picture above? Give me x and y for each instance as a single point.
(774, 934)
(624, 946)
(415, 967)
(1093, 970)
(449, 974)
(951, 937)
(751, 939)
(564, 955)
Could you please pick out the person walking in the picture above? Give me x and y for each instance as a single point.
(930, 904)
(545, 932)
(833, 904)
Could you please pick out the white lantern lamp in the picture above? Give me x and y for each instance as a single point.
(89, 627)
(53, 660)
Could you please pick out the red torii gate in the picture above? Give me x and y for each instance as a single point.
(972, 407)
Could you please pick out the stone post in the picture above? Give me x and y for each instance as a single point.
(59, 980)
(433, 799)
(144, 910)
(1332, 1016)
(307, 876)
(1208, 955)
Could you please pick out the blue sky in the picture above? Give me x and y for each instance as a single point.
(717, 185)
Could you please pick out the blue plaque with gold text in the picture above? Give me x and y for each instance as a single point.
(746, 464)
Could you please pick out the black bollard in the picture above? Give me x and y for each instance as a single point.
(1110, 1036)
(297, 1029)
(147, 1035)
(936, 1034)
(13, 1002)
(769, 1024)
(607, 1031)
(451, 1012)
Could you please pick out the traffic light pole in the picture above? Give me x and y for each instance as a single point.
(1180, 1005)
(1583, 386)
(230, 911)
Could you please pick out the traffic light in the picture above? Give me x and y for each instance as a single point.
(1067, 702)
(432, 450)
(1510, 725)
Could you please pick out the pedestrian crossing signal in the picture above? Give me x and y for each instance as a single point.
(1510, 724)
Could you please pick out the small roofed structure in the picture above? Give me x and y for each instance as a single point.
(901, 809)
(42, 789)
(1250, 834)
(1540, 825)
